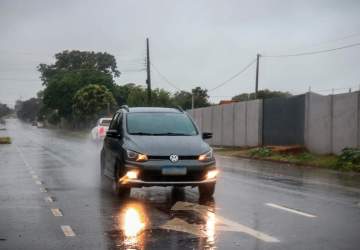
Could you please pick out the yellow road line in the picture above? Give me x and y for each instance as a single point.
(67, 230)
(295, 211)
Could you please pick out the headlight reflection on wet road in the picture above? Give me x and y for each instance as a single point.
(210, 228)
(133, 225)
(132, 221)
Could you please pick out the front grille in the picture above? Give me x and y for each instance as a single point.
(181, 157)
(155, 175)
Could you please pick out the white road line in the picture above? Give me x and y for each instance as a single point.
(34, 176)
(38, 182)
(22, 157)
(31, 172)
(233, 226)
(56, 212)
(49, 199)
(224, 224)
(291, 210)
(67, 230)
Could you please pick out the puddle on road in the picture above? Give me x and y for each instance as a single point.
(139, 223)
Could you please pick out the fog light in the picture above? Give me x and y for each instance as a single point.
(211, 174)
(132, 174)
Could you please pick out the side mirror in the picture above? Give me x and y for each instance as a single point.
(207, 135)
(113, 133)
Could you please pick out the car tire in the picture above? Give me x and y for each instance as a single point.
(207, 190)
(119, 189)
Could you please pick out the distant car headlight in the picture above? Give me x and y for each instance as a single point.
(134, 156)
(208, 156)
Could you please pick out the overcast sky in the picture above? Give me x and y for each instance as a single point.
(192, 42)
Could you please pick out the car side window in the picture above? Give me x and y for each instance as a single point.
(114, 122)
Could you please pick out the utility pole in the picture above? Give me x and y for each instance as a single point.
(148, 79)
(257, 75)
(192, 102)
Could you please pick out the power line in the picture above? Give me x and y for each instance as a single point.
(317, 44)
(313, 52)
(165, 78)
(234, 76)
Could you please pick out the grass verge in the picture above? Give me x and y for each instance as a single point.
(299, 156)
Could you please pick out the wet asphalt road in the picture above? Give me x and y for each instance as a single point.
(51, 198)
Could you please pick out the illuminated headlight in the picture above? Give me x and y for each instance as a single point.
(134, 156)
(132, 174)
(211, 174)
(206, 157)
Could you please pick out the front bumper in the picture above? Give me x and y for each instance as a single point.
(150, 173)
(141, 183)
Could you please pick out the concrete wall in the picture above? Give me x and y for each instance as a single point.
(345, 121)
(236, 124)
(318, 126)
(331, 122)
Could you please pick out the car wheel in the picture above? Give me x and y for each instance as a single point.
(207, 190)
(119, 189)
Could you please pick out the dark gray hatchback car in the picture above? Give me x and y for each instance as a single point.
(157, 147)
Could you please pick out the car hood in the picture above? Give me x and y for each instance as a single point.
(166, 145)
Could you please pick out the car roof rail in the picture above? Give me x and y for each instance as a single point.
(126, 107)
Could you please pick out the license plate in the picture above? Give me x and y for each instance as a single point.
(173, 170)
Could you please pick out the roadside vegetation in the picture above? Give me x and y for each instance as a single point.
(348, 160)
(81, 86)
(71, 82)
(5, 140)
(4, 110)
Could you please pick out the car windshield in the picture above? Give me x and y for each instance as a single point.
(160, 124)
(105, 122)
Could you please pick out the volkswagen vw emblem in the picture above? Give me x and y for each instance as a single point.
(174, 158)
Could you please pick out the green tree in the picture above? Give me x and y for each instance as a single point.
(137, 96)
(76, 60)
(161, 98)
(92, 101)
(4, 110)
(262, 94)
(28, 110)
(72, 71)
(184, 99)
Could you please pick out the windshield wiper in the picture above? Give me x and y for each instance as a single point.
(142, 133)
(175, 134)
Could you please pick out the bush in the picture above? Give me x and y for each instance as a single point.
(349, 159)
(5, 140)
(260, 152)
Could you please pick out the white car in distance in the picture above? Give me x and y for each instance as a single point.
(98, 133)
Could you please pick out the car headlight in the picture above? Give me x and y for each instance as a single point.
(208, 156)
(134, 156)
(212, 174)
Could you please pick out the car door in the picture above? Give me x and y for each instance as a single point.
(107, 153)
(114, 145)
